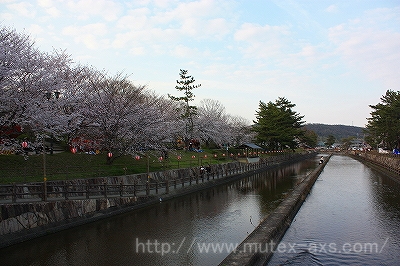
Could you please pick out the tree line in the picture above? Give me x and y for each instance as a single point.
(47, 96)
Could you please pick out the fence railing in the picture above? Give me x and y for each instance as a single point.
(50, 191)
(45, 191)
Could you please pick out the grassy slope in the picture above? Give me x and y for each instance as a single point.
(65, 165)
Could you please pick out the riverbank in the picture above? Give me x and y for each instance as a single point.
(389, 164)
(351, 217)
(24, 221)
(258, 247)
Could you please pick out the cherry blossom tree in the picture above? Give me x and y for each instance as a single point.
(19, 75)
(124, 117)
(215, 125)
(241, 130)
(28, 79)
(51, 98)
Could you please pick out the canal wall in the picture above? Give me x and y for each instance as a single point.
(59, 189)
(390, 163)
(259, 246)
(22, 221)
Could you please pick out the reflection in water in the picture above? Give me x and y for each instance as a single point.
(171, 233)
(351, 217)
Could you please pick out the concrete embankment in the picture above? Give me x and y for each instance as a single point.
(259, 246)
(22, 221)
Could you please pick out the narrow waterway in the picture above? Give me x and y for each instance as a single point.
(351, 217)
(176, 232)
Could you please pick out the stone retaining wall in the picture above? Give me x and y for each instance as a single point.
(24, 221)
(389, 162)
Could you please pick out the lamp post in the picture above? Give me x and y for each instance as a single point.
(148, 167)
(44, 171)
(48, 95)
(24, 146)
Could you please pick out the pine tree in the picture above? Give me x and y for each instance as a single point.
(384, 125)
(277, 125)
(186, 84)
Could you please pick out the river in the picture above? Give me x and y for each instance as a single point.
(351, 217)
(174, 232)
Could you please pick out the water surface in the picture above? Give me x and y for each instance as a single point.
(351, 217)
(174, 232)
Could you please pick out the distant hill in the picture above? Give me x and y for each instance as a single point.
(338, 131)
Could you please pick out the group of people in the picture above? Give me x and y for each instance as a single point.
(206, 169)
(194, 145)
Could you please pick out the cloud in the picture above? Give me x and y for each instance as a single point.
(6, 16)
(91, 35)
(35, 29)
(49, 7)
(53, 12)
(135, 19)
(138, 50)
(86, 9)
(261, 41)
(24, 9)
(217, 28)
(197, 19)
(163, 30)
(183, 51)
(362, 44)
(332, 9)
(45, 3)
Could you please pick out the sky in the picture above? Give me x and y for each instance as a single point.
(332, 59)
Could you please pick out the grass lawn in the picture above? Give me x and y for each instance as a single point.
(66, 165)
